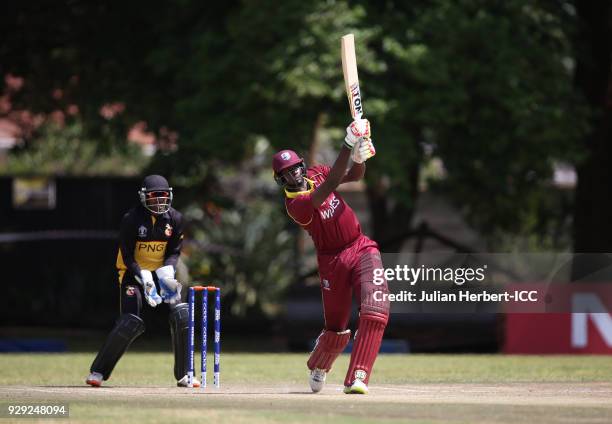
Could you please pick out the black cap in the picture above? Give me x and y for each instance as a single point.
(154, 183)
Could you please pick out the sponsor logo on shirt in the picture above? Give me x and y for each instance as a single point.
(150, 246)
(168, 230)
(328, 209)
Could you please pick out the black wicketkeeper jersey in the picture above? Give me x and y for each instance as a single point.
(148, 241)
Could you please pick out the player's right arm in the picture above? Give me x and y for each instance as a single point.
(357, 130)
(127, 243)
(333, 180)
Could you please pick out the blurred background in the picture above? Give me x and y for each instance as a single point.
(492, 120)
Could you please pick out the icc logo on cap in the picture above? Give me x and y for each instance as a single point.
(285, 156)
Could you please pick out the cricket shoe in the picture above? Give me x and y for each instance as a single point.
(184, 382)
(357, 388)
(317, 379)
(94, 379)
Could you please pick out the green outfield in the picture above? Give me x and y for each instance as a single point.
(270, 388)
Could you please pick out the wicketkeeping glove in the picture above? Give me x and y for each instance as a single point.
(363, 150)
(170, 289)
(358, 129)
(150, 291)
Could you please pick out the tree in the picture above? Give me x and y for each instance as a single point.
(483, 86)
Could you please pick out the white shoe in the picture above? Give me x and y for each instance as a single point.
(94, 379)
(357, 388)
(317, 379)
(183, 382)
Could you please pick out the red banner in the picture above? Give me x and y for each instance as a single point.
(588, 331)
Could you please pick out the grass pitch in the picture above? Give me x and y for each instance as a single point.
(273, 388)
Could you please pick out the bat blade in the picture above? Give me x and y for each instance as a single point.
(351, 79)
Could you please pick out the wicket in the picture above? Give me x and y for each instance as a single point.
(204, 322)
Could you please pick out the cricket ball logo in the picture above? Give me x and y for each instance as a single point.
(168, 230)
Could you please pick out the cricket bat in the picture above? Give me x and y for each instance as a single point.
(351, 80)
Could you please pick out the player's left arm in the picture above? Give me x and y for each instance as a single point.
(362, 151)
(170, 288)
(175, 244)
(356, 133)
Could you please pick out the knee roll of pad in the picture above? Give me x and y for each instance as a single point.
(377, 310)
(179, 315)
(379, 315)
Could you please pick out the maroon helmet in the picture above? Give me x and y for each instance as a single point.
(283, 160)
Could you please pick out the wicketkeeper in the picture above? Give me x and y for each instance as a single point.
(345, 256)
(150, 242)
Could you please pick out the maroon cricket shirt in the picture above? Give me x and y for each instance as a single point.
(333, 225)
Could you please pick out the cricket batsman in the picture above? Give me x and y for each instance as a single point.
(150, 241)
(345, 256)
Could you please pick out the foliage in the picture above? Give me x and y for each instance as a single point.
(247, 251)
(484, 87)
(69, 151)
(517, 112)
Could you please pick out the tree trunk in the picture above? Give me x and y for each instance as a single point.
(593, 203)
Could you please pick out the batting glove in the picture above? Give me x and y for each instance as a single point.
(150, 291)
(170, 289)
(358, 129)
(363, 150)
